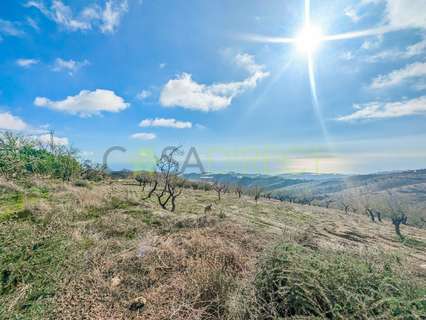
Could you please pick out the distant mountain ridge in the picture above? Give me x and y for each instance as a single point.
(332, 189)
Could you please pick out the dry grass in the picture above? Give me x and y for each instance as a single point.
(118, 257)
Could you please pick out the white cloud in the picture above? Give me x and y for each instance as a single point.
(47, 139)
(112, 14)
(352, 13)
(26, 63)
(348, 55)
(372, 43)
(32, 23)
(143, 95)
(162, 65)
(383, 110)
(406, 14)
(403, 14)
(10, 122)
(166, 123)
(143, 136)
(396, 77)
(411, 51)
(69, 65)
(187, 93)
(107, 18)
(86, 103)
(10, 28)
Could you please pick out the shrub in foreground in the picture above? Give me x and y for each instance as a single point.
(294, 281)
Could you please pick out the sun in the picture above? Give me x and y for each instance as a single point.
(309, 39)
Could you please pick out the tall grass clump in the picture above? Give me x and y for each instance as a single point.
(296, 282)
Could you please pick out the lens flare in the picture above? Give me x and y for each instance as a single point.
(309, 39)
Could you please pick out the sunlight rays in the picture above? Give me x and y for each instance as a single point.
(311, 41)
(307, 41)
(341, 36)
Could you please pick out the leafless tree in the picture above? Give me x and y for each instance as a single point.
(397, 211)
(167, 185)
(154, 184)
(143, 179)
(257, 192)
(238, 190)
(327, 203)
(174, 189)
(345, 202)
(219, 188)
(346, 207)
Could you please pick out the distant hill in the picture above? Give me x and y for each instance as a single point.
(330, 189)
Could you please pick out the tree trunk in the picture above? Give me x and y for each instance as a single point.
(398, 229)
(151, 191)
(371, 213)
(173, 204)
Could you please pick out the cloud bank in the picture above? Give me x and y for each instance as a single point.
(397, 77)
(11, 122)
(384, 110)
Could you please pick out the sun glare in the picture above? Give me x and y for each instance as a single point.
(309, 39)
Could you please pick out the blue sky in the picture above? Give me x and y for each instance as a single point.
(226, 77)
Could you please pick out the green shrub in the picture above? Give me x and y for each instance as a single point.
(20, 157)
(81, 183)
(293, 281)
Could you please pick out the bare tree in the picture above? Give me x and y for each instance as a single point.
(257, 192)
(345, 203)
(364, 199)
(167, 186)
(174, 189)
(154, 184)
(238, 190)
(397, 211)
(346, 207)
(219, 188)
(327, 203)
(143, 179)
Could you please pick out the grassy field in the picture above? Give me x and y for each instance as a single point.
(98, 251)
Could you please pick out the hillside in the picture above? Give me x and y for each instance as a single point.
(98, 251)
(329, 190)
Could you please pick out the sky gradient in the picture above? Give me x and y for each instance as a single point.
(222, 77)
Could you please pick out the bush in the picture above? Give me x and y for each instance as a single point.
(81, 183)
(20, 157)
(293, 281)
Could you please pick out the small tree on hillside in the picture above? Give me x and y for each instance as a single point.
(238, 190)
(397, 212)
(219, 188)
(167, 184)
(257, 192)
(143, 179)
(345, 203)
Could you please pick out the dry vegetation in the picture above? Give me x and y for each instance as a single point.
(98, 250)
